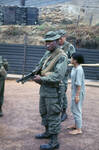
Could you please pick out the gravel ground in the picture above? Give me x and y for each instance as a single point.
(21, 120)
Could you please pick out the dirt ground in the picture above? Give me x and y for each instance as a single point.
(22, 120)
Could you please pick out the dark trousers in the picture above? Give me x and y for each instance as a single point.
(2, 84)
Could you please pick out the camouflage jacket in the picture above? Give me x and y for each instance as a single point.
(50, 83)
(40, 64)
(3, 68)
(69, 49)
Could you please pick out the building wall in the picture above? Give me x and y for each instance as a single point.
(36, 3)
(18, 15)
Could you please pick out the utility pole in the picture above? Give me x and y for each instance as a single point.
(22, 2)
(78, 20)
(91, 20)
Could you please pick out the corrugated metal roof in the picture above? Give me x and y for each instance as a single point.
(15, 56)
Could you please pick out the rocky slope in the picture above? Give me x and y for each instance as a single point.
(64, 16)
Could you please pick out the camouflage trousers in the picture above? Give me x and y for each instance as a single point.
(64, 98)
(2, 83)
(50, 112)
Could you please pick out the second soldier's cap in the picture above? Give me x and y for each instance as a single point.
(51, 36)
(61, 32)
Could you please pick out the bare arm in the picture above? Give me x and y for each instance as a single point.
(77, 94)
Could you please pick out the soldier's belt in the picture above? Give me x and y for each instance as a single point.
(52, 85)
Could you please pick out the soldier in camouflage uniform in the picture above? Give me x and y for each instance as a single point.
(3, 68)
(69, 49)
(54, 66)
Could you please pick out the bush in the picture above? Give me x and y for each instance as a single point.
(13, 31)
(42, 27)
(67, 21)
(97, 24)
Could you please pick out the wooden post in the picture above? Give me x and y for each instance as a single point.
(78, 20)
(91, 20)
(25, 49)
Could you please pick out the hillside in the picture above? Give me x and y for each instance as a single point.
(55, 17)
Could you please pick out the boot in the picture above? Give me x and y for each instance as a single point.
(44, 135)
(64, 115)
(53, 144)
(1, 113)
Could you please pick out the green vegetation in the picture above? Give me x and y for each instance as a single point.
(13, 31)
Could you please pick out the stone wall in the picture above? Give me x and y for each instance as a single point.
(18, 15)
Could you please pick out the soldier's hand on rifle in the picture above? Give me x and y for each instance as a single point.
(37, 79)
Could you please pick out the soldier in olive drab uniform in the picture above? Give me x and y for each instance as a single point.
(54, 66)
(3, 68)
(69, 49)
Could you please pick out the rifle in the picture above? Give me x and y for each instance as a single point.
(30, 75)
